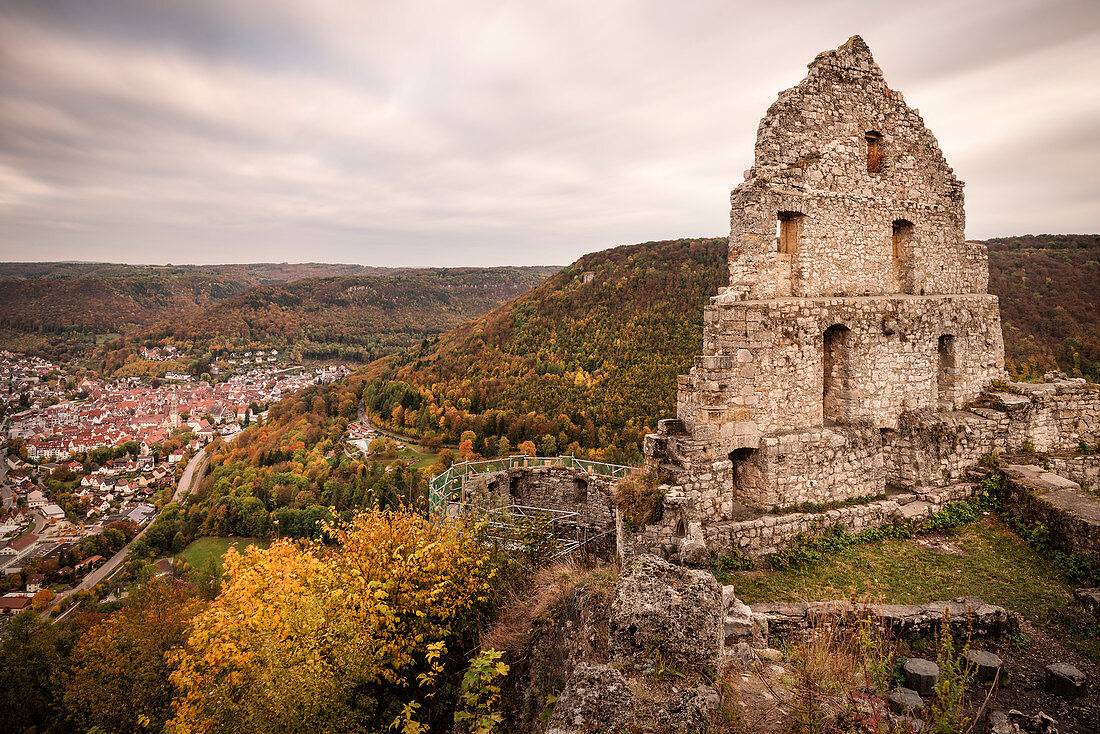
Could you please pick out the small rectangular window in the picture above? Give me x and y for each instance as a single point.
(874, 152)
(790, 226)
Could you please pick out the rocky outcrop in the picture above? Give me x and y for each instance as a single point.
(667, 612)
(596, 698)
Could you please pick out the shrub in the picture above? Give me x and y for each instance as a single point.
(833, 674)
(730, 563)
(480, 699)
(639, 500)
(354, 636)
(956, 673)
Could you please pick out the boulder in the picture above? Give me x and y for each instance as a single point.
(688, 712)
(921, 675)
(1089, 599)
(666, 611)
(1065, 680)
(904, 701)
(986, 665)
(595, 698)
(693, 548)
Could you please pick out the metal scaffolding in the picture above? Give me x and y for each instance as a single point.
(516, 527)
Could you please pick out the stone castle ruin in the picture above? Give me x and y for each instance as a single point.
(851, 356)
(853, 370)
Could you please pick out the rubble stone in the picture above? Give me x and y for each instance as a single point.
(905, 700)
(1065, 680)
(1089, 599)
(666, 610)
(986, 665)
(921, 675)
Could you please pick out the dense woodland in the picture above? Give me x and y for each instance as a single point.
(55, 310)
(587, 361)
(588, 367)
(1050, 297)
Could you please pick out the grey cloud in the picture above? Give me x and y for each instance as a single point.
(490, 132)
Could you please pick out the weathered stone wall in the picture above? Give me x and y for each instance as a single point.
(812, 159)
(924, 448)
(1085, 470)
(767, 534)
(554, 488)
(764, 367)
(1072, 517)
(1052, 416)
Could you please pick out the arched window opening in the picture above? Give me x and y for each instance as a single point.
(875, 153)
(681, 530)
(945, 374)
(837, 400)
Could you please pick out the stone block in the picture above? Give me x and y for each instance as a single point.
(921, 675)
(986, 665)
(1065, 680)
(905, 700)
(1089, 599)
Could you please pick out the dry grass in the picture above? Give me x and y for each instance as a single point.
(638, 499)
(547, 590)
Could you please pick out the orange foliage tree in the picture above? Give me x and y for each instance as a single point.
(348, 637)
(120, 675)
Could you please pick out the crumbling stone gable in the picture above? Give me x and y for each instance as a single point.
(846, 358)
(844, 164)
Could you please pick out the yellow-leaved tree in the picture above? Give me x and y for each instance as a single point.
(348, 636)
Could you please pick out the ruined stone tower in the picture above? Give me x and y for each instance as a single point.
(854, 300)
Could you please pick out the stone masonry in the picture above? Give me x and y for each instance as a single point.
(855, 333)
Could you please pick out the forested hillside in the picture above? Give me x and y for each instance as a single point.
(346, 312)
(355, 318)
(56, 309)
(1050, 302)
(589, 362)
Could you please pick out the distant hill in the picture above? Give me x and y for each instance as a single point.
(588, 360)
(57, 310)
(589, 357)
(350, 318)
(1050, 302)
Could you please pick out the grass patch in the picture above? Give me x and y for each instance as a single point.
(195, 554)
(424, 460)
(101, 339)
(998, 566)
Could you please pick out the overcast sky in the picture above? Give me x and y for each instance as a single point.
(472, 132)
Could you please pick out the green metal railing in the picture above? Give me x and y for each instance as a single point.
(443, 489)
